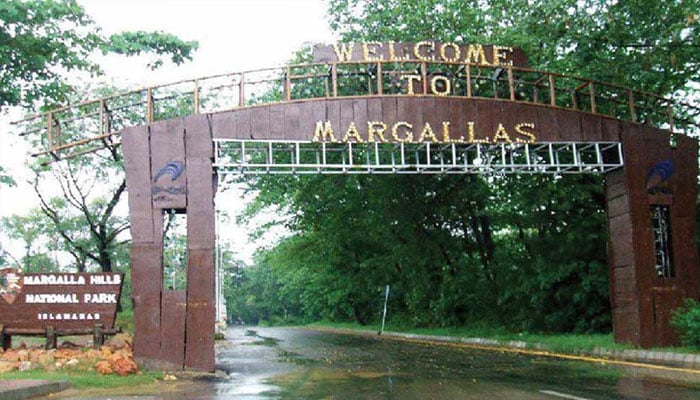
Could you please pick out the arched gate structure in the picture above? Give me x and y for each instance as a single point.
(394, 108)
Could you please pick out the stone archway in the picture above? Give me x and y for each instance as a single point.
(169, 168)
(445, 95)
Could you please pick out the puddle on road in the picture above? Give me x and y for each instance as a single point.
(250, 360)
(263, 341)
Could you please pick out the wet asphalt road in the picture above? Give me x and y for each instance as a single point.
(288, 363)
(319, 365)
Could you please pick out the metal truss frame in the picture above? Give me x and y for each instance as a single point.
(234, 156)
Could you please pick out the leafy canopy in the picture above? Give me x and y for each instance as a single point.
(41, 40)
(524, 252)
(646, 45)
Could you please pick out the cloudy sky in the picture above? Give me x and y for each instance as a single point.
(233, 35)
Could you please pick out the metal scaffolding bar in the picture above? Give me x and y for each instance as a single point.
(300, 157)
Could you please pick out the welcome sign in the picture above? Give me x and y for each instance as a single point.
(61, 300)
(424, 51)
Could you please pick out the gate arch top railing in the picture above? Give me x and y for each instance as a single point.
(90, 126)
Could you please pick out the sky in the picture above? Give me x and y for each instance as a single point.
(233, 35)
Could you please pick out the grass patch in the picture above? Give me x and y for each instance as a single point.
(87, 379)
(125, 320)
(561, 343)
(265, 341)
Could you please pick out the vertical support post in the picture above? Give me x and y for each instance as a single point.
(386, 300)
(98, 336)
(552, 92)
(51, 340)
(149, 106)
(49, 130)
(536, 90)
(469, 79)
(334, 79)
(241, 91)
(591, 92)
(5, 339)
(102, 116)
(195, 96)
(630, 103)
(106, 120)
(511, 84)
(287, 83)
(380, 79)
(671, 118)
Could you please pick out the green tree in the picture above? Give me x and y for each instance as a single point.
(651, 46)
(41, 40)
(88, 226)
(5, 178)
(33, 231)
(456, 248)
(617, 42)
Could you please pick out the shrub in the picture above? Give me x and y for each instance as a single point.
(686, 321)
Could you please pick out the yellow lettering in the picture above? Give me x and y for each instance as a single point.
(324, 131)
(352, 133)
(343, 51)
(392, 54)
(501, 134)
(426, 43)
(531, 138)
(471, 136)
(499, 57)
(475, 54)
(370, 53)
(455, 50)
(409, 132)
(447, 85)
(446, 132)
(428, 134)
(411, 79)
(376, 128)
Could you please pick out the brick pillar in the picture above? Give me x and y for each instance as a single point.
(146, 244)
(169, 167)
(655, 174)
(201, 240)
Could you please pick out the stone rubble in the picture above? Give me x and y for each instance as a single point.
(115, 357)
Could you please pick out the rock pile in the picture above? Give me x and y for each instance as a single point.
(114, 357)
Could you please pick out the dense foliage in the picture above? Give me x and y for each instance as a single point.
(455, 250)
(41, 40)
(686, 321)
(647, 45)
(527, 252)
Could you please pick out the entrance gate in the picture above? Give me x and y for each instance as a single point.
(365, 109)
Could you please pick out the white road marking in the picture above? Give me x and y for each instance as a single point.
(562, 395)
